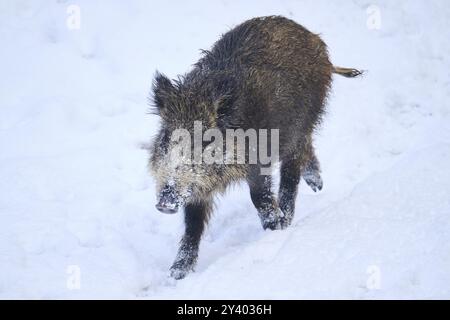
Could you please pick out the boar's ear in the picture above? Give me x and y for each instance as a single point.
(162, 89)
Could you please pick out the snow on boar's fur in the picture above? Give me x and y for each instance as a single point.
(268, 74)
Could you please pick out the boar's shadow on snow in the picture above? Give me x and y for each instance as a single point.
(268, 74)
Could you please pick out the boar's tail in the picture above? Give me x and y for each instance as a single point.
(347, 72)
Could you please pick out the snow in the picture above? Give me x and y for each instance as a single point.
(77, 203)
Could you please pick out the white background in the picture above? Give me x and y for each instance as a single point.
(77, 215)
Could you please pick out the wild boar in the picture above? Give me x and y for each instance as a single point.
(268, 73)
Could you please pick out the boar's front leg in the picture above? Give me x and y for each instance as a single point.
(196, 217)
(289, 178)
(263, 198)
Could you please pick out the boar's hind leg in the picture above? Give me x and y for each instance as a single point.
(289, 179)
(306, 166)
(263, 198)
(196, 217)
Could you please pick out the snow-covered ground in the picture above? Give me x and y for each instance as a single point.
(77, 215)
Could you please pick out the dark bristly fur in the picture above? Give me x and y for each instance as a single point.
(266, 73)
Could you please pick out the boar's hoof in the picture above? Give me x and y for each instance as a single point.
(314, 180)
(181, 268)
(179, 273)
(273, 225)
(285, 222)
(272, 222)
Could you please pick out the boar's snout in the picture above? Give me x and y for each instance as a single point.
(166, 208)
(168, 200)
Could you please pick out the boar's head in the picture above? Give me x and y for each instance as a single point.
(179, 177)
